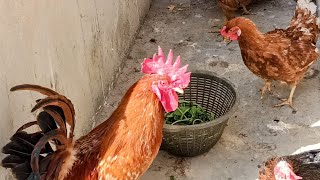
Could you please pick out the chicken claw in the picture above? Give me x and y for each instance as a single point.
(287, 101)
(266, 86)
(246, 11)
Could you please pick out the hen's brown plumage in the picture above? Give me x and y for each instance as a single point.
(305, 165)
(230, 6)
(282, 54)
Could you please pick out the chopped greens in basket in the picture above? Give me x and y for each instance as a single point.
(188, 113)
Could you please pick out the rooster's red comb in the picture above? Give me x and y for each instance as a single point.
(157, 65)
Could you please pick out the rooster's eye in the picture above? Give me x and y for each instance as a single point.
(163, 82)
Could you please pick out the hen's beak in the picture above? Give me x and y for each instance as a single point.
(179, 90)
(226, 40)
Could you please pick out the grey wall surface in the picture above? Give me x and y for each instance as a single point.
(75, 47)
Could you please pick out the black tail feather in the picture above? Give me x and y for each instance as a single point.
(20, 149)
(16, 149)
(12, 161)
(46, 122)
(22, 171)
(27, 125)
(30, 154)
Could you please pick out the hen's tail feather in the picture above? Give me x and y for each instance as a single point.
(304, 25)
(31, 155)
(307, 5)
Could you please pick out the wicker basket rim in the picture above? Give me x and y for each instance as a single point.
(225, 117)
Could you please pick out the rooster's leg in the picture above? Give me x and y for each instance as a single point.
(289, 100)
(246, 11)
(266, 86)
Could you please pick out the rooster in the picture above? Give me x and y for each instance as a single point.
(122, 147)
(283, 54)
(305, 166)
(230, 6)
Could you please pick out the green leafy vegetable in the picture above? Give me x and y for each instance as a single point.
(188, 113)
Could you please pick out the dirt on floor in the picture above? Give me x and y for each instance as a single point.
(256, 131)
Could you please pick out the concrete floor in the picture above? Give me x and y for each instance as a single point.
(257, 131)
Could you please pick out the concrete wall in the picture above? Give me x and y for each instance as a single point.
(76, 47)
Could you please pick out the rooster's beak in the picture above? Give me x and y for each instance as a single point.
(179, 90)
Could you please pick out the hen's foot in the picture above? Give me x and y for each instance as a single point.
(266, 86)
(284, 102)
(246, 11)
(289, 100)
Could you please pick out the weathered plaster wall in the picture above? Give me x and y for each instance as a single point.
(75, 47)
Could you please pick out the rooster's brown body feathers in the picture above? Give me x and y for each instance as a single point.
(122, 147)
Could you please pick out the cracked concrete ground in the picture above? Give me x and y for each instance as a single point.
(257, 131)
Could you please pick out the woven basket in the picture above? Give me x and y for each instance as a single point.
(214, 94)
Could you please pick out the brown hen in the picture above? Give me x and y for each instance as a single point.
(230, 6)
(305, 166)
(283, 54)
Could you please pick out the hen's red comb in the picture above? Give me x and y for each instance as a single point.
(223, 31)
